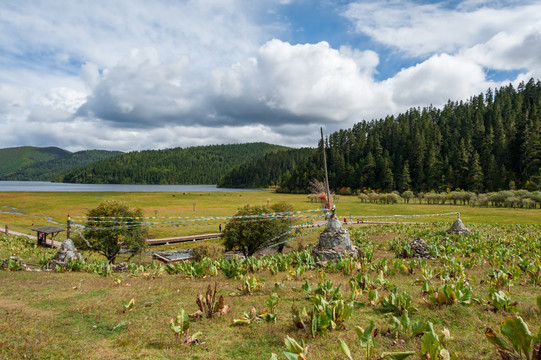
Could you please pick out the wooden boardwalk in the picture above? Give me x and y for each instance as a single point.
(199, 237)
(181, 239)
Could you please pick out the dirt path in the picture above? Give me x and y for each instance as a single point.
(49, 242)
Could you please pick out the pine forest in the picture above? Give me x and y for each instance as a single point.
(490, 142)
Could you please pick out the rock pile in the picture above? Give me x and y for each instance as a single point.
(420, 249)
(459, 228)
(120, 267)
(14, 260)
(67, 252)
(334, 243)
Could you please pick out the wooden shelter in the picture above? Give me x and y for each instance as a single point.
(44, 231)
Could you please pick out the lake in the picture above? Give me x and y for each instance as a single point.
(44, 186)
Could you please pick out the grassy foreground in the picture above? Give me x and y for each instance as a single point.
(81, 314)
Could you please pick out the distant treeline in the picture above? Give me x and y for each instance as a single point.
(266, 171)
(194, 165)
(506, 198)
(490, 142)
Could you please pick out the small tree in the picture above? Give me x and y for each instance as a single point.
(407, 195)
(113, 226)
(250, 234)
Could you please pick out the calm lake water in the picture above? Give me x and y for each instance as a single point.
(39, 186)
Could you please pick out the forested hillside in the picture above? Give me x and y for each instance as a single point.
(195, 165)
(12, 159)
(265, 171)
(47, 170)
(490, 142)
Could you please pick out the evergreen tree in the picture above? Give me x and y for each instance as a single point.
(405, 178)
(476, 174)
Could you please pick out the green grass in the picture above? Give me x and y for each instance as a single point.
(212, 204)
(80, 315)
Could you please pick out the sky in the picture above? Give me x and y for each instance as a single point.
(135, 74)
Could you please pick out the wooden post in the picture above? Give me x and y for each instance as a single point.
(68, 228)
(7, 231)
(326, 174)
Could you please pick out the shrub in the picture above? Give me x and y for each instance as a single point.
(211, 251)
(252, 230)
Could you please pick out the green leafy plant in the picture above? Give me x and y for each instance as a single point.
(434, 346)
(13, 265)
(254, 316)
(329, 315)
(397, 303)
(232, 268)
(272, 302)
(520, 344)
(382, 283)
(361, 281)
(534, 274)
(367, 341)
(75, 264)
(502, 301)
(299, 316)
(297, 272)
(295, 350)
(306, 287)
(373, 297)
(453, 293)
(328, 291)
(128, 306)
(173, 269)
(180, 326)
(324, 315)
(250, 284)
(404, 326)
(499, 279)
(347, 265)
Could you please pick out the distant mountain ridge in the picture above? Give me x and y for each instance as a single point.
(28, 163)
(12, 159)
(193, 165)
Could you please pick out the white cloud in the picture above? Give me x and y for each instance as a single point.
(510, 51)
(13, 99)
(141, 91)
(440, 78)
(133, 75)
(422, 29)
(301, 83)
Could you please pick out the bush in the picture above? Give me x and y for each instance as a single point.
(211, 251)
(252, 230)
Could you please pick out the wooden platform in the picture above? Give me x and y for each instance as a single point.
(181, 239)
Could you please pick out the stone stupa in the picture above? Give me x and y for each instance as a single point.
(67, 252)
(458, 227)
(334, 242)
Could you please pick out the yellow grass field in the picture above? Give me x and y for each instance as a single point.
(38, 206)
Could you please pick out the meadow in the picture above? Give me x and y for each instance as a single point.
(84, 312)
(57, 206)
